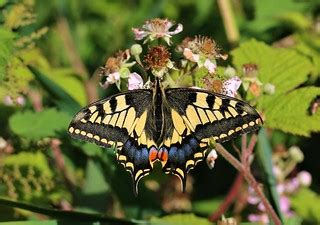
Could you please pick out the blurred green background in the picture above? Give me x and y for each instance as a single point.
(66, 42)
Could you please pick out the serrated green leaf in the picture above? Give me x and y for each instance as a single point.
(290, 112)
(284, 68)
(306, 204)
(180, 219)
(37, 125)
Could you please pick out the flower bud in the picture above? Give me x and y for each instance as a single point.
(229, 72)
(269, 89)
(136, 49)
(304, 178)
(212, 156)
(296, 154)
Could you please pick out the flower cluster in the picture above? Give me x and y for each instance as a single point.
(132, 68)
(287, 183)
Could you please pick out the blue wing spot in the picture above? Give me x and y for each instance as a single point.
(181, 156)
(173, 154)
(129, 149)
(187, 149)
(193, 143)
(144, 155)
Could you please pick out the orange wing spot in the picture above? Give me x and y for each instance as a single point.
(163, 155)
(153, 154)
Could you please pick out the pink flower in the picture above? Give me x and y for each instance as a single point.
(304, 178)
(230, 86)
(212, 156)
(292, 185)
(157, 28)
(284, 204)
(21, 100)
(262, 218)
(7, 100)
(135, 81)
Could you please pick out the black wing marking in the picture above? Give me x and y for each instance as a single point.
(119, 121)
(197, 116)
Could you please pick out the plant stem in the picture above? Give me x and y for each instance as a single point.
(250, 179)
(75, 59)
(229, 21)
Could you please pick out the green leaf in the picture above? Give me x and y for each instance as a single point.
(37, 125)
(267, 15)
(264, 155)
(180, 219)
(47, 222)
(6, 49)
(287, 108)
(69, 83)
(205, 207)
(284, 68)
(290, 112)
(96, 190)
(60, 96)
(306, 204)
(67, 215)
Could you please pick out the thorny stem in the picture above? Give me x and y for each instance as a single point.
(249, 178)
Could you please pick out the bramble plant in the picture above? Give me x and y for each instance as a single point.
(48, 71)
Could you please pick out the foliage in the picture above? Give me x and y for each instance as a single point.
(49, 62)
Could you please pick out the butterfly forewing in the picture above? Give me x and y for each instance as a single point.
(212, 115)
(119, 121)
(197, 116)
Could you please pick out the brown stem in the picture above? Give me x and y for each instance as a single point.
(59, 161)
(71, 50)
(75, 59)
(250, 179)
(251, 145)
(232, 194)
(229, 21)
(243, 148)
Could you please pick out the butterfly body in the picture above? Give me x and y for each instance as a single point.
(171, 126)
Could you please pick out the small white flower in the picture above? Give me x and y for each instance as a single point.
(157, 28)
(230, 86)
(210, 66)
(113, 77)
(212, 156)
(135, 81)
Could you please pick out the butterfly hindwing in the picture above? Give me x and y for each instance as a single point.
(119, 121)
